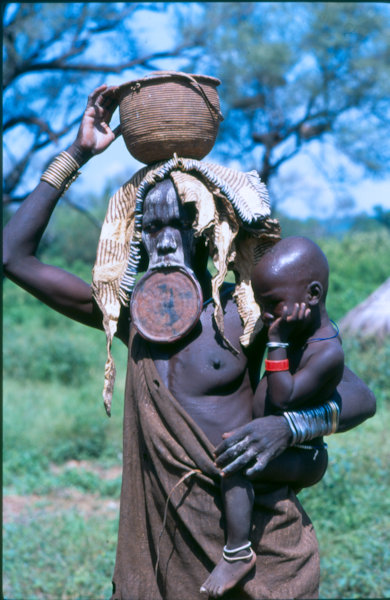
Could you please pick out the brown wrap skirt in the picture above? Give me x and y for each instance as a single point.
(171, 525)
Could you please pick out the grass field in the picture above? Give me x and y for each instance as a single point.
(62, 461)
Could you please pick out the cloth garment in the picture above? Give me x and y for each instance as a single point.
(233, 216)
(171, 529)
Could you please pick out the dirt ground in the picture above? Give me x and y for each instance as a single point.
(17, 508)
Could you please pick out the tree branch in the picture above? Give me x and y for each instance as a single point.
(257, 101)
(60, 65)
(14, 178)
(31, 120)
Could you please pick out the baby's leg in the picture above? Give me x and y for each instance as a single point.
(238, 557)
(297, 467)
(238, 497)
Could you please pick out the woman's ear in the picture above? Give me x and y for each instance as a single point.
(314, 293)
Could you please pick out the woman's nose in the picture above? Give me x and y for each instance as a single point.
(166, 242)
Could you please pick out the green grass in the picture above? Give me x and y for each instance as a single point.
(59, 557)
(53, 412)
(350, 507)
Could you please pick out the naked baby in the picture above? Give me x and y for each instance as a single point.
(304, 365)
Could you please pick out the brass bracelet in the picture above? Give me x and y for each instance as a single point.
(63, 170)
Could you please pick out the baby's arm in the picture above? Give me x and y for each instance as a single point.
(319, 372)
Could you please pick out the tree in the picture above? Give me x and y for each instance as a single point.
(54, 55)
(296, 73)
(296, 78)
(382, 216)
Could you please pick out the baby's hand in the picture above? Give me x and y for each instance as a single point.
(281, 329)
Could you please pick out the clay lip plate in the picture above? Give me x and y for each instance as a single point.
(166, 304)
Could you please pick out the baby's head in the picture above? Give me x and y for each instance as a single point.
(294, 270)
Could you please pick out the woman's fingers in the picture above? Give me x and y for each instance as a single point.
(230, 449)
(239, 463)
(93, 96)
(260, 464)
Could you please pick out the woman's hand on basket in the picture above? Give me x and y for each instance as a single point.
(94, 134)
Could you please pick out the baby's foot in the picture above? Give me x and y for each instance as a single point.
(232, 567)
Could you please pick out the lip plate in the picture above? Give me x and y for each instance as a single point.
(166, 304)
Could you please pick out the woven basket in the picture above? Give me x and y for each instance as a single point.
(168, 112)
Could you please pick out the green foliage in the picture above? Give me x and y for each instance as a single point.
(358, 265)
(350, 511)
(382, 215)
(53, 359)
(62, 364)
(370, 359)
(31, 473)
(71, 236)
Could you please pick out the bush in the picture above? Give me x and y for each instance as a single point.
(358, 265)
(81, 436)
(44, 357)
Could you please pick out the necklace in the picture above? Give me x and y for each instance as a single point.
(326, 338)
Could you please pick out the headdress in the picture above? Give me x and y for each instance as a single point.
(232, 214)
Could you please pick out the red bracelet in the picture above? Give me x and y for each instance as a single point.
(277, 365)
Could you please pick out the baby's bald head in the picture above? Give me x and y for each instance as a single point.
(293, 263)
(298, 257)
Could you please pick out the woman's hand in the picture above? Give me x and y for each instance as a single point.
(253, 446)
(94, 134)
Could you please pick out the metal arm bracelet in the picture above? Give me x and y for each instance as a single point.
(63, 170)
(315, 422)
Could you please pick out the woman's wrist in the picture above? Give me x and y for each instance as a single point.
(284, 430)
(81, 155)
(62, 171)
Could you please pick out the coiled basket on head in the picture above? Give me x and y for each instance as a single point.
(169, 112)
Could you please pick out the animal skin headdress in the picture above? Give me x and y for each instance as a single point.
(232, 215)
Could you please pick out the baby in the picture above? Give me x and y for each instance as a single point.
(304, 365)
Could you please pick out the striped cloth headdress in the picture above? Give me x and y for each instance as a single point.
(227, 203)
